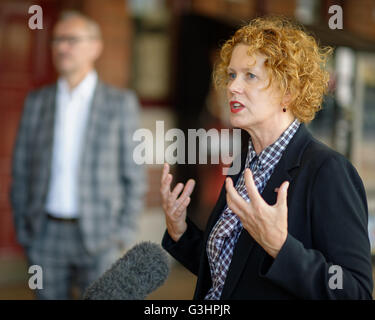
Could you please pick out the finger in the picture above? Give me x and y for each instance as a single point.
(165, 187)
(165, 171)
(181, 209)
(234, 201)
(251, 188)
(189, 187)
(174, 194)
(282, 194)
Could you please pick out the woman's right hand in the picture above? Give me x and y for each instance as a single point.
(175, 208)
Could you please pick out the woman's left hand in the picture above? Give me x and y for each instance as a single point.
(268, 225)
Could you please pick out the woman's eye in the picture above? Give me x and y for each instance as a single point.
(232, 75)
(251, 75)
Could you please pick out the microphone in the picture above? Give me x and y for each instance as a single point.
(140, 271)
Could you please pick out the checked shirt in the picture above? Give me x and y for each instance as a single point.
(224, 235)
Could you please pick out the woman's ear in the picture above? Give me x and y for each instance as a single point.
(286, 99)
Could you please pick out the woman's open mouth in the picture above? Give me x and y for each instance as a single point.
(236, 106)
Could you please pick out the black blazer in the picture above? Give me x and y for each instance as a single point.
(327, 225)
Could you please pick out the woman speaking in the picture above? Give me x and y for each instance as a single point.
(293, 223)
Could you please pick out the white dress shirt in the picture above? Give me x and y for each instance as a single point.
(72, 111)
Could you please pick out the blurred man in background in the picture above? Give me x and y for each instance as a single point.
(76, 191)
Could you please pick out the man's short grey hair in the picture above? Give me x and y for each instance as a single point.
(92, 26)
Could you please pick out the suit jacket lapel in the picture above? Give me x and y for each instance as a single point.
(94, 118)
(46, 134)
(283, 171)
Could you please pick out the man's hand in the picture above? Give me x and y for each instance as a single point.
(268, 225)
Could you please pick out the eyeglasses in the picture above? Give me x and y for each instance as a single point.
(70, 40)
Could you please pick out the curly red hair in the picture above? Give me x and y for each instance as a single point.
(293, 59)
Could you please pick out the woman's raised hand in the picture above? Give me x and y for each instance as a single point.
(175, 208)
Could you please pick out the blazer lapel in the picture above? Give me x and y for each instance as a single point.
(279, 175)
(290, 160)
(283, 171)
(45, 136)
(49, 115)
(94, 118)
(245, 244)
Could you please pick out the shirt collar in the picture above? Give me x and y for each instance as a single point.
(274, 150)
(84, 89)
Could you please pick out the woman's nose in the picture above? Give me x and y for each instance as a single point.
(235, 86)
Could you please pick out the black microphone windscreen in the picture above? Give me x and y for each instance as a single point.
(140, 271)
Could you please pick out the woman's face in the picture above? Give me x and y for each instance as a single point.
(253, 106)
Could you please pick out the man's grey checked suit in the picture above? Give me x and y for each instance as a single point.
(111, 184)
